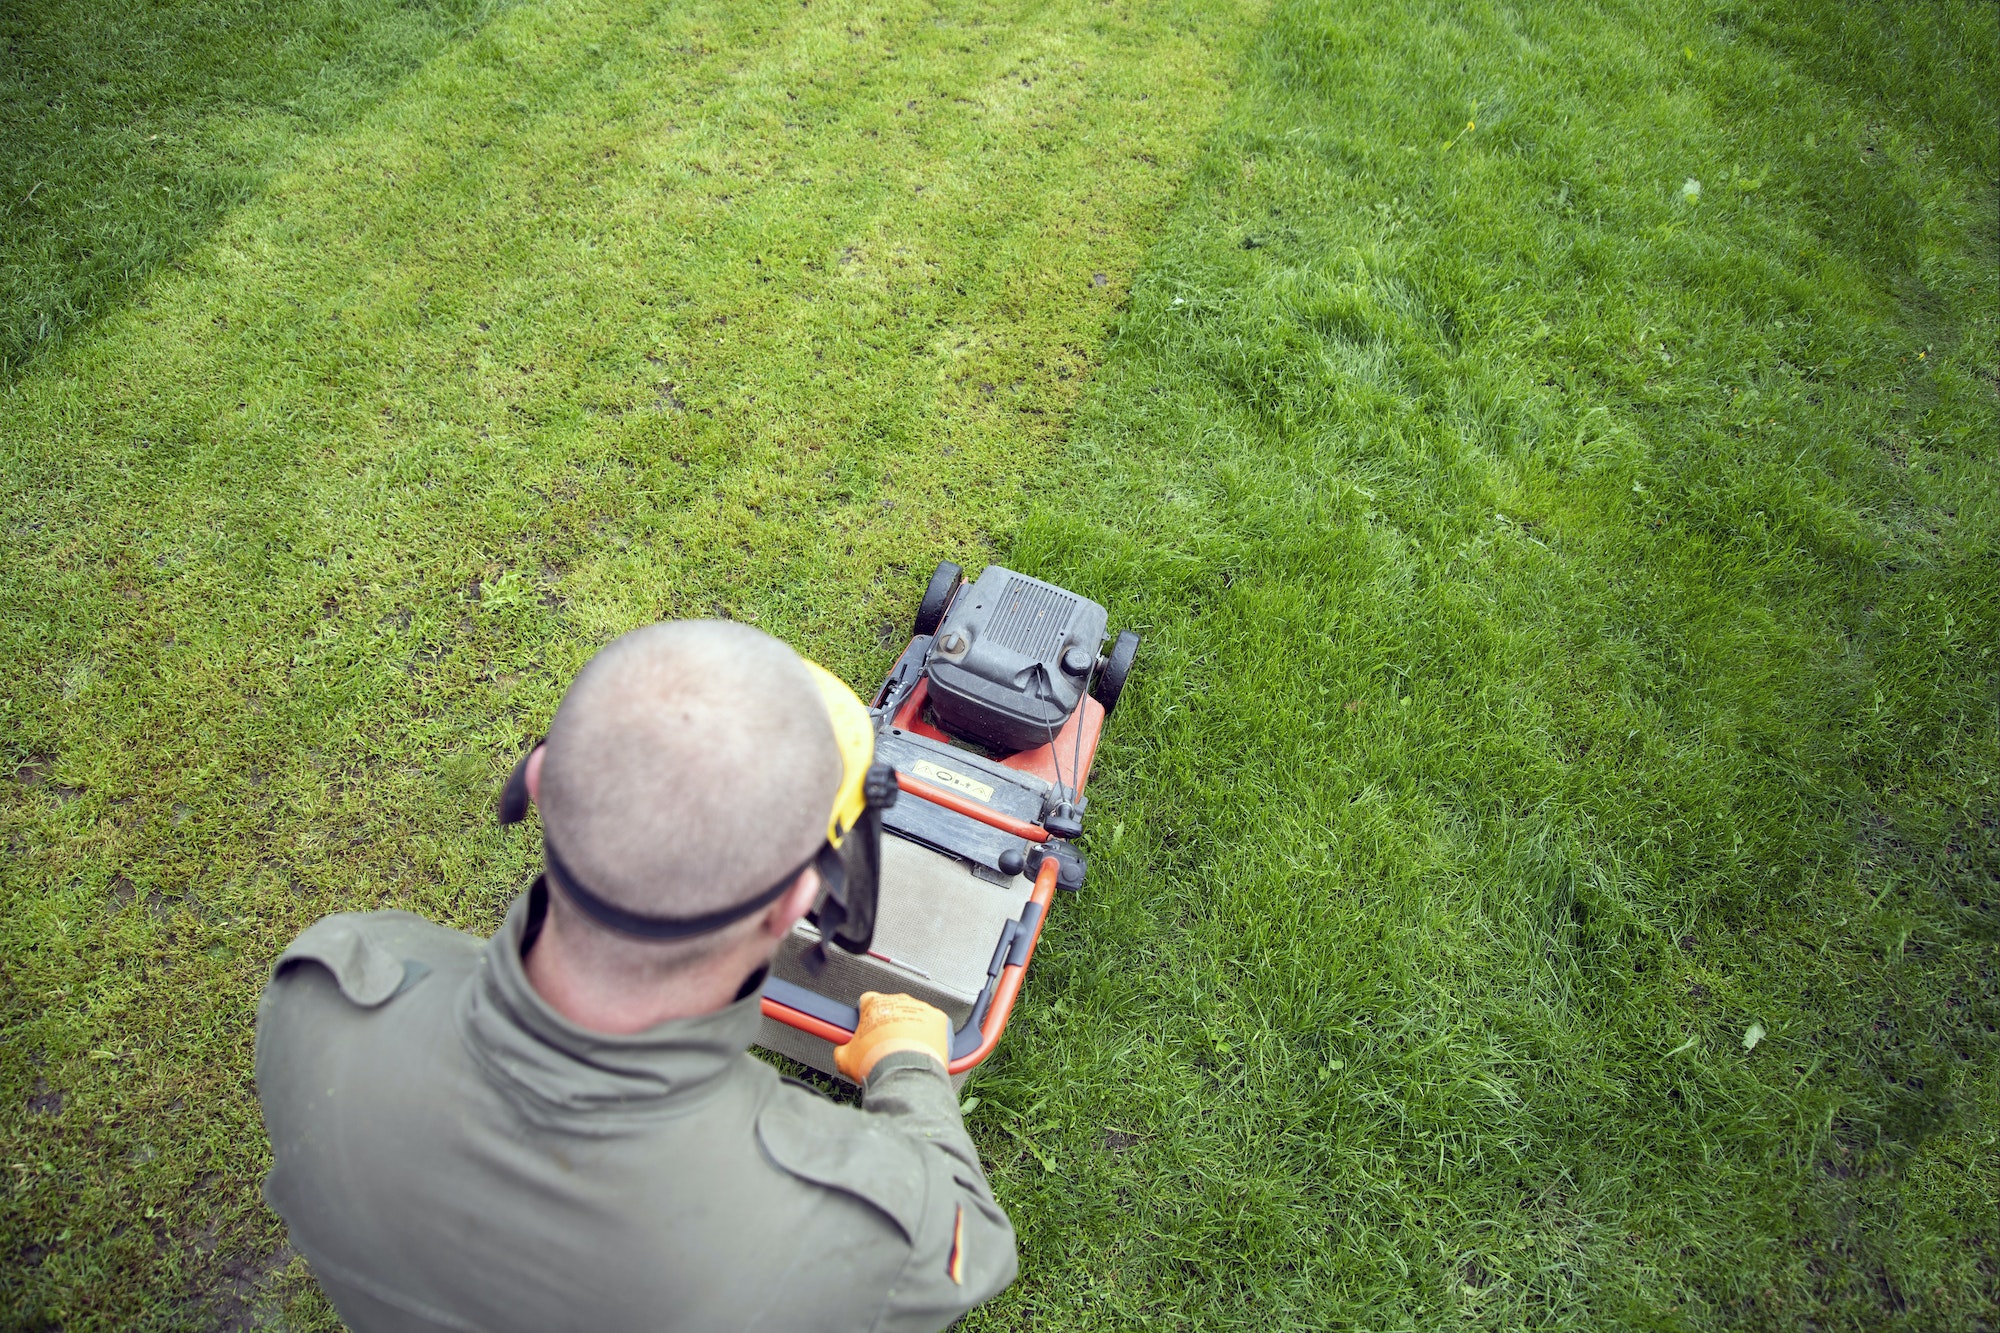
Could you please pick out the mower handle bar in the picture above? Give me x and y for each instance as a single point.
(1004, 992)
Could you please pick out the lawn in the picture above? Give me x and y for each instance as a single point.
(1546, 871)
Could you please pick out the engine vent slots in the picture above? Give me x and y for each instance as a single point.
(1030, 613)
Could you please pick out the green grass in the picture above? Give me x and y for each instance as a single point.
(131, 128)
(1572, 617)
(1571, 614)
(609, 312)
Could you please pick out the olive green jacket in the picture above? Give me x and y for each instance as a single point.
(450, 1153)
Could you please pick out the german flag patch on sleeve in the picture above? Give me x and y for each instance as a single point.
(955, 1265)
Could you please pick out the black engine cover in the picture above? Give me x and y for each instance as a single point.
(997, 668)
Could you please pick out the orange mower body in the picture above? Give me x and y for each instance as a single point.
(981, 834)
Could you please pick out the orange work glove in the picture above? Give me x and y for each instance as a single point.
(893, 1023)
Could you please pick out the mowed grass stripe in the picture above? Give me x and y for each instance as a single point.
(1544, 866)
(128, 131)
(615, 311)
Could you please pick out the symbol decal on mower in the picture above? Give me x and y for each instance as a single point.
(958, 782)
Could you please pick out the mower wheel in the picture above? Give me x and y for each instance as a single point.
(1111, 676)
(944, 582)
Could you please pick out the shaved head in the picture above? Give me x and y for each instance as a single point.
(690, 767)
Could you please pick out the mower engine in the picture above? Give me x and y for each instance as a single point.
(1011, 660)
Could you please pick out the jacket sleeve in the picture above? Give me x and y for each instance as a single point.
(964, 1253)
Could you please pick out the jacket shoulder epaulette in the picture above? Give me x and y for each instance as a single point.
(372, 956)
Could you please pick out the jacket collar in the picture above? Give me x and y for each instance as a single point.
(561, 1076)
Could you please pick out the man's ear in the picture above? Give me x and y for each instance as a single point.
(522, 786)
(783, 914)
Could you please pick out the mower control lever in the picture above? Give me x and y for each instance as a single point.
(1070, 865)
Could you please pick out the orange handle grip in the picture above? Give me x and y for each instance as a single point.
(1011, 976)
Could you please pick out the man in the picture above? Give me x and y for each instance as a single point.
(561, 1127)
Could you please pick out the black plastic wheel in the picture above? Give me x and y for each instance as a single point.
(944, 582)
(1111, 676)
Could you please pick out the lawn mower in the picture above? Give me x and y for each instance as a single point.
(989, 720)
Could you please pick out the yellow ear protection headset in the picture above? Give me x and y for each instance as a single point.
(849, 861)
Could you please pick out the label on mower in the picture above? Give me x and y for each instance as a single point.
(958, 782)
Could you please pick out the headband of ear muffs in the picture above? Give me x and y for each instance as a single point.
(849, 860)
